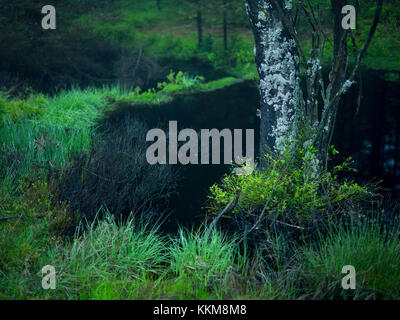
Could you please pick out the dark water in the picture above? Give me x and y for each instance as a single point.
(233, 108)
(370, 135)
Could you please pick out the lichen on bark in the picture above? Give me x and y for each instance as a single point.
(277, 62)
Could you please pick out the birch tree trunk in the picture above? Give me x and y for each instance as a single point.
(277, 61)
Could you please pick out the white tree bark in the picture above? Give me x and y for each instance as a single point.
(277, 62)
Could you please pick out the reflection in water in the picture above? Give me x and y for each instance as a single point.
(371, 134)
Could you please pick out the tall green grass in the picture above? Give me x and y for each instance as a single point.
(30, 146)
(43, 133)
(48, 139)
(128, 254)
(373, 251)
(203, 262)
(134, 260)
(76, 108)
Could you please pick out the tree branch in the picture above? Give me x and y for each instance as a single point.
(229, 207)
(350, 80)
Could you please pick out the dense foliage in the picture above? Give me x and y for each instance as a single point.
(133, 42)
(286, 188)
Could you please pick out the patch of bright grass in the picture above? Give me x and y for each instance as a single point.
(218, 84)
(202, 261)
(50, 138)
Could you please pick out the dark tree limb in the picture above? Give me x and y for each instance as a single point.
(328, 109)
(229, 207)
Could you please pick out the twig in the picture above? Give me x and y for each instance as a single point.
(229, 207)
(289, 225)
(20, 217)
(10, 217)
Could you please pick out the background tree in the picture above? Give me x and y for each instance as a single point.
(225, 23)
(199, 23)
(197, 6)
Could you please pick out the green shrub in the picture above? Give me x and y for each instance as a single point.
(286, 188)
(180, 81)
